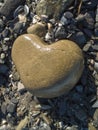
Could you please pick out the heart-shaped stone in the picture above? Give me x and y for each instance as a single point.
(47, 70)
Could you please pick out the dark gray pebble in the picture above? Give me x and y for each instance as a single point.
(3, 69)
(2, 80)
(18, 28)
(5, 33)
(88, 32)
(62, 108)
(68, 15)
(64, 20)
(14, 100)
(80, 115)
(79, 88)
(79, 38)
(1, 25)
(11, 107)
(60, 33)
(9, 6)
(4, 108)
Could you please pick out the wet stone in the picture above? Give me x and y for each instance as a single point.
(50, 75)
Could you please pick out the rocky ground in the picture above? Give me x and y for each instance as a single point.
(20, 110)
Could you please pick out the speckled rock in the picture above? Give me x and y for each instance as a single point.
(47, 70)
(38, 29)
(52, 8)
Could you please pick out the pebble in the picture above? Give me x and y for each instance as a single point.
(7, 11)
(22, 123)
(81, 115)
(4, 108)
(3, 69)
(95, 105)
(61, 114)
(79, 38)
(2, 56)
(95, 117)
(21, 87)
(4, 47)
(1, 25)
(14, 100)
(72, 128)
(49, 37)
(89, 20)
(96, 66)
(11, 108)
(87, 47)
(28, 40)
(64, 21)
(2, 80)
(60, 33)
(91, 126)
(79, 88)
(6, 32)
(18, 27)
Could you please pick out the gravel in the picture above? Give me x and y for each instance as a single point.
(77, 110)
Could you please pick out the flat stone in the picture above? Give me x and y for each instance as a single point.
(38, 29)
(47, 70)
(52, 8)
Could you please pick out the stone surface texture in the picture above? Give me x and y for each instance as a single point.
(52, 8)
(47, 70)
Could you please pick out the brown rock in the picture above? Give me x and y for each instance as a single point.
(38, 29)
(47, 70)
